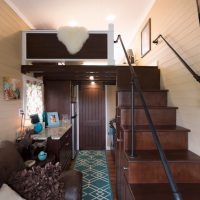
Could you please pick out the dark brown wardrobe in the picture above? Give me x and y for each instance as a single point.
(57, 97)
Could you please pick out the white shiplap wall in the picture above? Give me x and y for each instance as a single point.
(177, 20)
(10, 64)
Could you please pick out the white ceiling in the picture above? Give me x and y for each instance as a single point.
(92, 14)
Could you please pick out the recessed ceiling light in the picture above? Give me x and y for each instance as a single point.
(95, 63)
(61, 63)
(73, 23)
(91, 77)
(110, 18)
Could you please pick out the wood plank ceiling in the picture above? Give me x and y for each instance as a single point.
(75, 73)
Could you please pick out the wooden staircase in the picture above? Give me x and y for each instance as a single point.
(143, 177)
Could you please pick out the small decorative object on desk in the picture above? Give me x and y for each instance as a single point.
(38, 127)
(29, 163)
(65, 120)
(53, 119)
(42, 155)
(36, 121)
(45, 120)
(34, 118)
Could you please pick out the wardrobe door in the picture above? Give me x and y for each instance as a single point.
(91, 117)
(57, 96)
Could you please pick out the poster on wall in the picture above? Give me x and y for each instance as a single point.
(11, 88)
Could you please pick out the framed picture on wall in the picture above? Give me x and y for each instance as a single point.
(198, 6)
(11, 88)
(146, 38)
(53, 119)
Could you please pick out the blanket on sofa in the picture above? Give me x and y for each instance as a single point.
(39, 183)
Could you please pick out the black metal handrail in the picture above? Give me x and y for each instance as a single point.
(136, 86)
(194, 74)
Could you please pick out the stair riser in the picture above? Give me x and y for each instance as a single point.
(151, 98)
(149, 78)
(146, 167)
(159, 117)
(169, 141)
(153, 172)
(163, 191)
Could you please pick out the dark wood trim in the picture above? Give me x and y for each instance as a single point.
(98, 76)
(47, 46)
(73, 73)
(69, 69)
(102, 73)
(54, 67)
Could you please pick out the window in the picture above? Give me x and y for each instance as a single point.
(33, 96)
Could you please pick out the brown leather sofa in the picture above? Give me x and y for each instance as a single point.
(11, 162)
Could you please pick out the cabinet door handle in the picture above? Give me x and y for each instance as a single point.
(119, 140)
(125, 168)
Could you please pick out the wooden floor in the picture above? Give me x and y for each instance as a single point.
(112, 173)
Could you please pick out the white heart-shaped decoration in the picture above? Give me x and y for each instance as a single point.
(72, 37)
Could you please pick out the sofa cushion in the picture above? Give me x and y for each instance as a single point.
(39, 183)
(10, 160)
(8, 194)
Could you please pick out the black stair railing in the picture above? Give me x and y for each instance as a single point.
(136, 87)
(195, 75)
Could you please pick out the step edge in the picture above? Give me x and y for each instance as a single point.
(195, 159)
(143, 91)
(158, 129)
(140, 107)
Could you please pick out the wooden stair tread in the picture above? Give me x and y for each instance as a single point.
(144, 90)
(158, 128)
(144, 173)
(137, 67)
(171, 155)
(149, 107)
(144, 66)
(161, 191)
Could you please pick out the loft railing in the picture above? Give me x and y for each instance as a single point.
(135, 86)
(195, 75)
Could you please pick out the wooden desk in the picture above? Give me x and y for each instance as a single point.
(54, 132)
(59, 143)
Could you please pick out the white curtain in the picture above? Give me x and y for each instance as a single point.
(32, 96)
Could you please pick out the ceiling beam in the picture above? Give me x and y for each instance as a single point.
(73, 73)
(113, 75)
(63, 68)
(100, 78)
(80, 82)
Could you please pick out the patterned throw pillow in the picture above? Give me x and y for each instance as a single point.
(39, 183)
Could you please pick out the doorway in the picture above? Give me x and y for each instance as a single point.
(91, 117)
